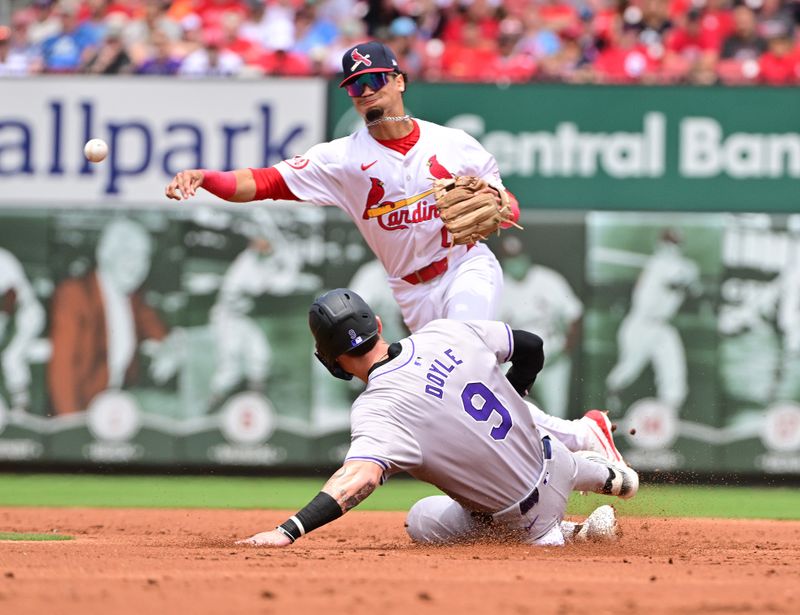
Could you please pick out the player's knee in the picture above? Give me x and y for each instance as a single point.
(425, 523)
(415, 526)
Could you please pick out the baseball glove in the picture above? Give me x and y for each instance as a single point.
(469, 214)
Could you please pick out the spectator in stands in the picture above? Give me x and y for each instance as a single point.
(63, 52)
(276, 27)
(380, 14)
(471, 59)
(509, 66)
(429, 19)
(313, 32)
(403, 41)
(780, 64)
(43, 21)
(690, 54)
(654, 25)
(192, 37)
(481, 15)
(211, 12)
(284, 62)
(92, 15)
(16, 55)
(229, 28)
(351, 32)
(139, 32)
(556, 15)
(778, 18)
(627, 61)
(110, 58)
(571, 64)
(536, 40)
(161, 60)
(716, 22)
(211, 60)
(652, 41)
(744, 43)
(254, 28)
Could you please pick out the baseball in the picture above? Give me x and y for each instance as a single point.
(95, 150)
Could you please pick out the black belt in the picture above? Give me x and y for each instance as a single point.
(533, 497)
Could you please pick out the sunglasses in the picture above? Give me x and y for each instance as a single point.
(374, 81)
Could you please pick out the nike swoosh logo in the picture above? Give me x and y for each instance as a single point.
(364, 167)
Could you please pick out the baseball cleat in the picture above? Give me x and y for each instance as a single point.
(622, 481)
(600, 526)
(600, 439)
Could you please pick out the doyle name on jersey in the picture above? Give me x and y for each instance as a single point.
(438, 373)
(389, 195)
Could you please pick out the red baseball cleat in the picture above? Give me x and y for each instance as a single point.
(601, 441)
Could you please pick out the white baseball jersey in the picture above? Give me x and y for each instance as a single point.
(443, 411)
(542, 302)
(388, 194)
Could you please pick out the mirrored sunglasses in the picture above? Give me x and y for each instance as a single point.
(375, 81)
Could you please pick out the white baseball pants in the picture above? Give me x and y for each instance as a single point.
(440, 520)
(470, 289)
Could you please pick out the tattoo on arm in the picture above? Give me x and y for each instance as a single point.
(358, 497)
(349, 487)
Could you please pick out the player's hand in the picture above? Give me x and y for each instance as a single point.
(273, 538)
(184, 184)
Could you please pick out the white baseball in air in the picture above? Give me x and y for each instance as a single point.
(95, 150)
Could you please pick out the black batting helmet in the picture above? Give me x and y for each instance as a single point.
(340, 321)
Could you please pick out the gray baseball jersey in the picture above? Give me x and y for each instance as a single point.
(443, 411)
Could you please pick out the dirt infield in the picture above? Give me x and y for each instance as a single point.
(184, 561)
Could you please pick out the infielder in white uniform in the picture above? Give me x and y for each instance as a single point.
(438, 406)
(646, 334)
(18, 302)
(381, 176)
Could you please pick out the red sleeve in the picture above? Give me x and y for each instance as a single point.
(271, 185)
(514, 204)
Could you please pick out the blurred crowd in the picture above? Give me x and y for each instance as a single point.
(502, 41)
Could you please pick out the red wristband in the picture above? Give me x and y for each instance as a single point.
(220, 183)
(514, 204)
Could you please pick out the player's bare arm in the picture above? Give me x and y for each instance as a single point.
(237, 186)
(353, 483)
(346, 489)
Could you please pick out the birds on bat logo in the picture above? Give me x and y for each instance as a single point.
(377, 207)
(358, 59)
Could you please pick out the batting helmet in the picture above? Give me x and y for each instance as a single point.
(340, 322)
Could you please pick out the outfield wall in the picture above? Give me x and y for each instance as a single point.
(660, 261)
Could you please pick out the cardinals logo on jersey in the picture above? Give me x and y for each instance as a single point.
(394, 215)
(437, 170)
(358, 59)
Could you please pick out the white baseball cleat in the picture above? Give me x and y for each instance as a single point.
(600, 526)
(623, 481)
(600, 440)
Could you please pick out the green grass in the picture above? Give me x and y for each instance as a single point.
(293, 493)
(35, 537)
